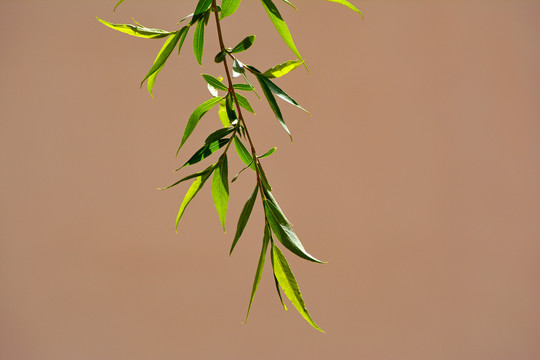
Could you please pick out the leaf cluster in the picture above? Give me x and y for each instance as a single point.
(231, 100)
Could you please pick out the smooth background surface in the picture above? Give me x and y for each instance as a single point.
(416, 178)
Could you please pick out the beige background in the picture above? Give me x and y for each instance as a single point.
(416, 178)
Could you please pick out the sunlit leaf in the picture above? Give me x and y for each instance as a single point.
(290, 4)
(243, 87)
(184, 31)
(275, 278)
(229, 7)
(349, 5)
(284, 232)
(238, 68)
(219, 134)
(198, 41)
(192, 191)
(161, 58)
(243, 153)
(117, 5)
(280, 25)
(268, 153)
(138, 31)
(220, 188)
(260, 267)
(220, 56)
(272, 102)
(222, 112)
(195, 117)
(289, 285)
(282, 69)
(244, 217)
(202, 6)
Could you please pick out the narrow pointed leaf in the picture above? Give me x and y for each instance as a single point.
(219, 134)
(243, 87)
(280, 25)
(264, 180)
(240, 172)
(290, 4)
(117, 5)
(244, 44)
(238, 68)
(222, 112)
(220, 188)
(282, 69)
(198, 41)
(202, 6)
(205, 151)
(275, 278)
(137, 31)
(161, 58)
(284, 232)
(289, 285)
(229, 7)
(214, 82)
(196, 116)
(220, 56)
(184, 31)
(193, 190)
(244, 217)
(272, 102)
(243, 102)
(268, 153)
(349, 5)
(281, 94)
(192, 176)
(260, 267)
(152, 80)
(243, 153)
(229, 106)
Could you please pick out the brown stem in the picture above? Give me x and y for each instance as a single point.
(233, 92)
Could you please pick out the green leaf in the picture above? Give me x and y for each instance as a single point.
(201, 173)
(220, 188)
(243, 102)
(196, 116)
(220, 56)
(219, 134)
(137, 31)
(205, 151)
(184, 32)
(268, 153)
(152, 80)
(244, 44)
(272, 102)
(290, 4)
(117, 5)
(215, 82)
(161, 58)
(222, 112)
(264, 180)
(202, 6)
(280, 93)
(275, 278)
(243, 87)
(240, 172)
(229, 7)
(260, 267)
(243, 153)
(282, 69)
(284, 232)
(229, 106)
(288, 283)
(198, 41)
(244, 217)
(280, 25)
(192, 191)
(349, 5)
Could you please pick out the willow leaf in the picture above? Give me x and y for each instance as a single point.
(244, 217)
(214, 82)
(198, 41)
(137, 31)
(272, 102)
(229, 7)
(280, 25)
(349, 5)
(117, 5)
(192, 176)
(260, 267)
(220, 188)
(205, 151)
(195, 117)
(244, 44)
(281, 94)
(284, 232)
(243, 87)
(192, 191)
(184, 32)
(282, 69)
(202, 6)
(243, 153)
(268, 153)
(275, 278)
(161, 58)
(288, 283)
(219, 134)
(243, 102)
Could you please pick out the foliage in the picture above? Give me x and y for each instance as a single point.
(235, 131)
